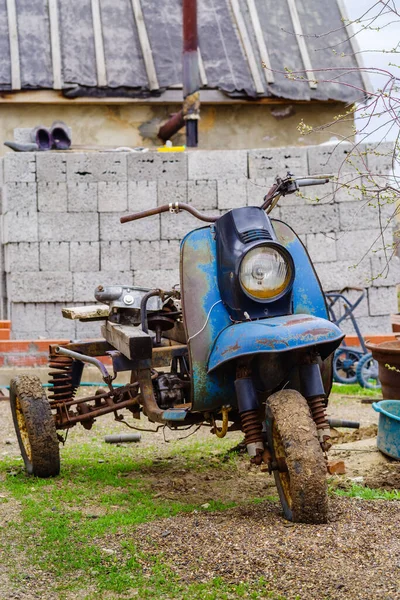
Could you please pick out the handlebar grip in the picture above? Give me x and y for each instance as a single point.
(145, 213)
(307, 182)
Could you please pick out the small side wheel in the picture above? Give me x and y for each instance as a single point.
(34, 426)
(367, 373)
(298, 460)
(344, 365)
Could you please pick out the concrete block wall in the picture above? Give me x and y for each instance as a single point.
(61, 235)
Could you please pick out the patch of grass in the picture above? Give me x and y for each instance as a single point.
(366, 493)
(353, 390)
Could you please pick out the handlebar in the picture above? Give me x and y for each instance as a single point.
(280, 188)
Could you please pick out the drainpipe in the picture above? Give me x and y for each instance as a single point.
(190, 113)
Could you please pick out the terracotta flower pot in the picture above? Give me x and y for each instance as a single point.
(388, 356)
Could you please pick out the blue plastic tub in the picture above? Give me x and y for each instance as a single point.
(388, 440)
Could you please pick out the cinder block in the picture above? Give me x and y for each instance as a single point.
(20, 167)
(66, 227)
(369, 325)
(56, 324)
(382, 300)
(311, 218)
(146, 255)
(257, 189)
(20, 227)
(86, 283)
(96, 166)
(385, 270)
(202, 194)
(144, 229)
(27, 317)
(169, 254)
(88, 331)
(352, 296)
(232, 193)
(1, 172)
(380, 158)
(336, 158)
(54, 256)
(175, 227)
(115, 256)
(153, 166)
(51, 166)
(339, 274)
(52, 196)
(354, 245)
(82, 197)
(19, 197)
(21, 257)
(113, 196)
(348, 187)
(44, 286)
(365, 215)
(164, 279)
(216, 164)
(322, 246)
(85, 256)
(142, 195)
(270, 162)
(172, 191)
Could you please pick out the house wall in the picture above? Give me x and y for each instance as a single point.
(61, 235)
(232, 127)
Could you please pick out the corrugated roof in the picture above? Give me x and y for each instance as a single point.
(134, 47)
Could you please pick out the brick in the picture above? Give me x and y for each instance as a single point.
(82, 197)
(169, 254)
(171, 192)
(202, 194)
(113, 196)
(20, 167)
(144, 229)
(146, 255)
(96, 166)
(336, 158)
(232, 193)
(115, 256)
(51, 166)
(55, 322)
(322, 247)
(45, 286)
(54, 256)
(19, 197)
(153, 166)
(20, 227)
(339, 274)
(311, 218)
(257, 189)
(164, 279)
(66, 227)
(380, 157)
(27, 317)
(142, 195)
(52, 197)
(270, 162)
(365, 215)
(348, 188)
(85, 283)
(336, 467)
(85, 256)
(357, 244)
(216, 164)
(382, 300)
(21, 257)
(385, 271)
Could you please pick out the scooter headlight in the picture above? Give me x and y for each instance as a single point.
(265, 272)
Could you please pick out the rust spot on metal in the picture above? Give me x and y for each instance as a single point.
(230, 349)
(316, 332)
(297, 321)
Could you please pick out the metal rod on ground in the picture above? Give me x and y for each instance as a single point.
(122, 438)
(343, 423)
(191, 73)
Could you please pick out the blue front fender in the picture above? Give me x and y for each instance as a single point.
(278, 334)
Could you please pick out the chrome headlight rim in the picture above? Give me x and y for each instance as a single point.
(288, 258)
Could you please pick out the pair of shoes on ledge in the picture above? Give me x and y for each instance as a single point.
(58, 137)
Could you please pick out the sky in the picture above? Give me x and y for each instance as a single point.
(372, 44)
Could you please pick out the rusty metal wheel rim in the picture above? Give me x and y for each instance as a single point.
(23, 432)
(280, 458)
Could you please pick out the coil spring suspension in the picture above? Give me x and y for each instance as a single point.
(60, 379)
(317, 408)
(252, 428)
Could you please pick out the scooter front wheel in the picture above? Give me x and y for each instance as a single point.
(297, 458)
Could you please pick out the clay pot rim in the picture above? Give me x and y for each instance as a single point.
(384, 347)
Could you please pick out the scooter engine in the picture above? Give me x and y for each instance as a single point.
(169, 390)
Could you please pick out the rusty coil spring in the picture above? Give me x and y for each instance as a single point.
(252, 428)
(317, 408)
(60, 379)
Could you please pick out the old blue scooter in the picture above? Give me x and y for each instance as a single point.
(245, 343)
